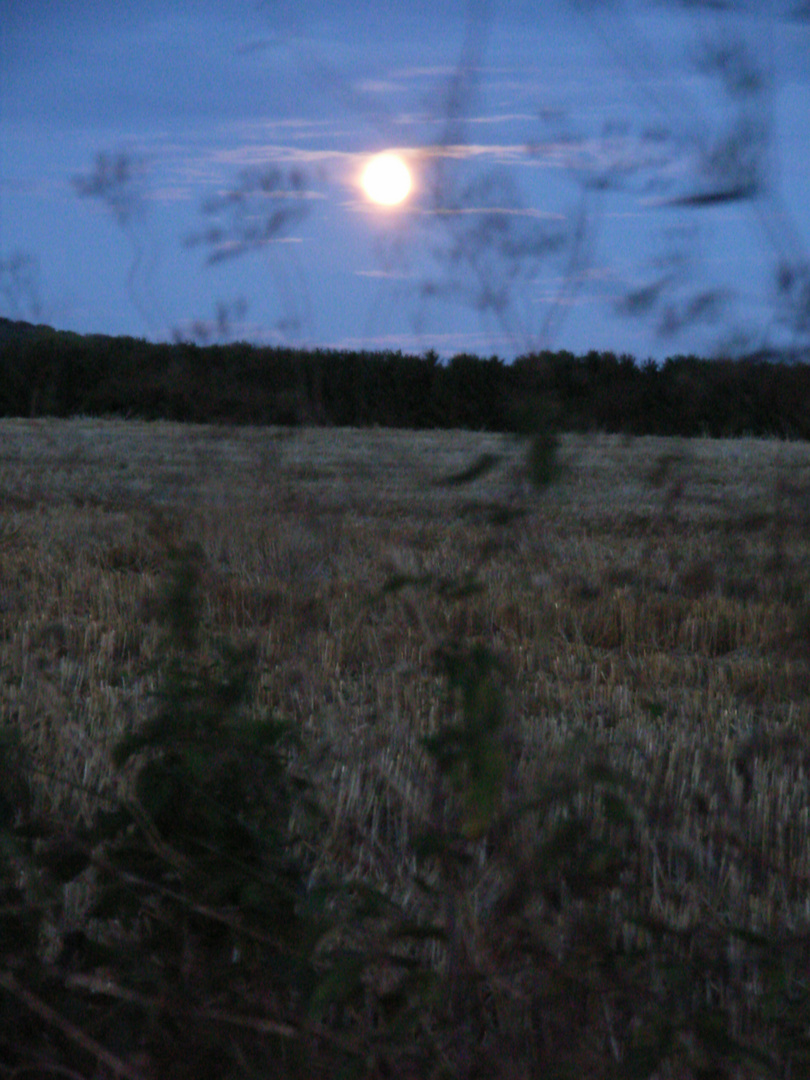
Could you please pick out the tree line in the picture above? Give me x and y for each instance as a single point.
(46, 372)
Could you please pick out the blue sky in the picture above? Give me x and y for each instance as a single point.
(593, 175)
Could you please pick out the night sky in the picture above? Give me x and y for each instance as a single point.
(592, 175)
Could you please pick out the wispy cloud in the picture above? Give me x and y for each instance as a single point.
(506, 211)
(440, 71)
(263, 153)
(274, 153)
(293, 125)
(387, 274)
(499, 118)
(334, 163)
(464, 151)
(377, 86)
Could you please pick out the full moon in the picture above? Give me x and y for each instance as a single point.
(386, 179)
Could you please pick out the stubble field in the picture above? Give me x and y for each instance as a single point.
(652, 604)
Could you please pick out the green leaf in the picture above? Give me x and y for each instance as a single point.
(372, 902)
(396, 582)
(110, 823)
(599, 772)
(654, 709)
(640, 1062)
(415, 931)
(563, 842)
(65, 859)
(262, 734)
(19, 923)
(502, 516)
(115, 900)
(445, 747)
(192, 767)
(341, 983)
(161, 792)
(428, 842)
(616, 809)
(459, 590)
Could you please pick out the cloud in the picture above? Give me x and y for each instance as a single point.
(508, 211)
(499, 118)
(388, 274)
(377, 86)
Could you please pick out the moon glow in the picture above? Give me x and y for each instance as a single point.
(386, 179)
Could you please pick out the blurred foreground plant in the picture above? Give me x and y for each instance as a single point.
(192, 956)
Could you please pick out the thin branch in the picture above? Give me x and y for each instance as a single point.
(231, 920)
(69, 1030)
(99, 984)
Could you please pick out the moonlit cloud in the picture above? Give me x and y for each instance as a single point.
(505, 211)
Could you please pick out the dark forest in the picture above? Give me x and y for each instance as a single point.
(45, 372)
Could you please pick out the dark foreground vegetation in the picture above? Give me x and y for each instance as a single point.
(310, 767)
(211, 947)
(44, 372)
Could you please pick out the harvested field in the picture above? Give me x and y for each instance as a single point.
(653, 604)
